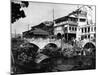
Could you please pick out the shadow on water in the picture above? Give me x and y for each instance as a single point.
(59, 64)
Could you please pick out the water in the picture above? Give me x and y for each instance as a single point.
(59, 64)
(75, 63)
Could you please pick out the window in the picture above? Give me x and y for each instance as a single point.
(85, 36)
(69, 28)
(91, 37)
(88, 29)
(88, 36)
(95, 35)
(82, 20)
(85, 30)
(75, 29)
(66, 28)
(72, 28)
(82, 30)
(74, 19)
(82, 37)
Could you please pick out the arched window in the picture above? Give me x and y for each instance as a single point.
(59, 35)
(69, 28)
(88, 29)
(72, 28)
(75, 29)
(85, 30)
(82, 30)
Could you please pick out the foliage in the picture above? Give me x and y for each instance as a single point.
(16, 11)
(23, 53)
(51, 50)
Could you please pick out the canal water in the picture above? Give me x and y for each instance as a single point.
(59, 65)
(70, 64)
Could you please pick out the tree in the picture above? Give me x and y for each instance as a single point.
(16, 13)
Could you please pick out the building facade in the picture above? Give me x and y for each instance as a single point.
(67, 26)
(86, 27)
(78, 24)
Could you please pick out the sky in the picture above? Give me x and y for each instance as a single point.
(38, 12)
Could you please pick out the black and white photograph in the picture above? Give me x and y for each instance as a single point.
(52, 37)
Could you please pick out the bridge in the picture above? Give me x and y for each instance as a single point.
(41, 43)
(87, 42)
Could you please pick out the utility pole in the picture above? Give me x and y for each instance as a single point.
(53, 18)
(53, 14)
(77, 32)
(67, 33)
(15, 33)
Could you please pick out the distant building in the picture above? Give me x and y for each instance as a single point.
(76, 25)
(36, 33)
(43, 30)
(13, 35)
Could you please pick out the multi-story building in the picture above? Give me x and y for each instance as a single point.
(77, 24)
(86, 27)
(87, 32)
(66, 26)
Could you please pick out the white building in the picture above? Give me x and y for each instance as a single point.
(66, 26)
(78, 24)
(86, 25)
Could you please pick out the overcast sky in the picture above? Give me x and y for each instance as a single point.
(40, 12)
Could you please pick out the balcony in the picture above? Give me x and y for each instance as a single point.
(72, 23)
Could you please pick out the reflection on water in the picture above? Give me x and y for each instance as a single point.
(75, 63)
(61, 64)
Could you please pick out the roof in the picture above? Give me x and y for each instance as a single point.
(65, 18)
(40, 32)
